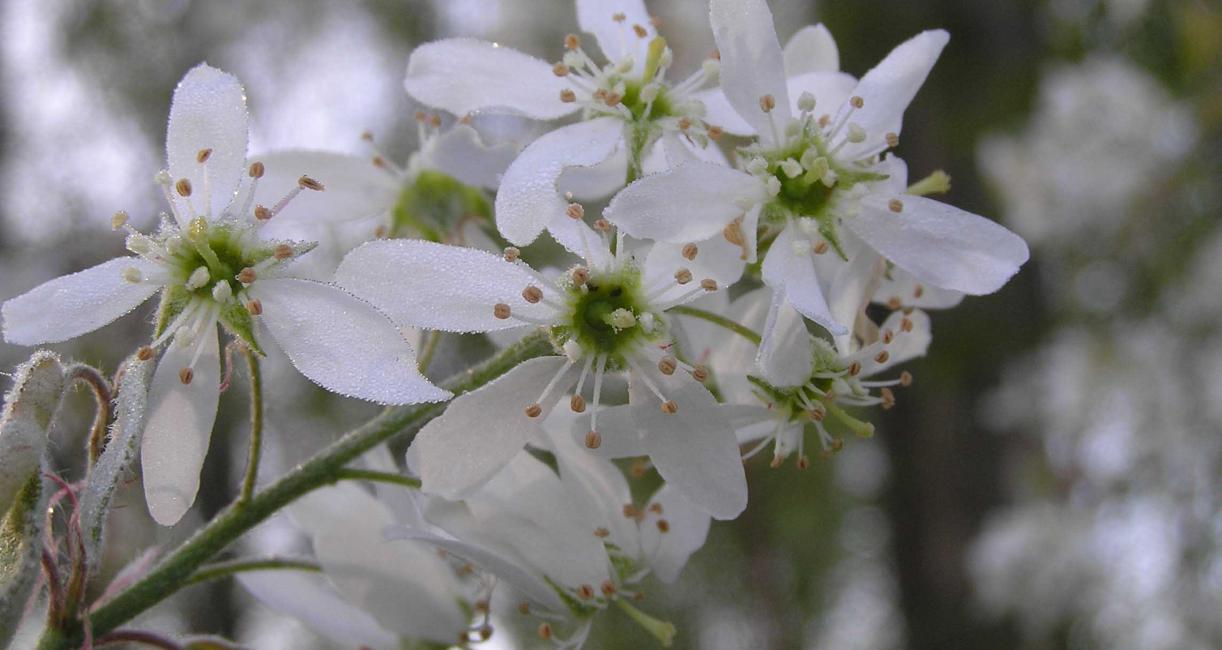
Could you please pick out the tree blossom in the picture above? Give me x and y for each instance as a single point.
(606, 316)
(211, 266)
(810, 180)
(627, 108)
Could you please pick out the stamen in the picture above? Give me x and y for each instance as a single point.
(667, 365)
(905, 379)
(767, 103)
(144, 353)
(577, 404)
(183, 187)
(532, 294)
(568, 96)
(572, 42)
(246, 276)
(690, 251)
(575, 211)
(895, 205)
(186, 375)
(307, 183)
(593, 440)
(512, 254)
(501, 311)
(683, 276)
(255, 307)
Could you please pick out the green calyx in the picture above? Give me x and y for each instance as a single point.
(434, 206)
(608, 315)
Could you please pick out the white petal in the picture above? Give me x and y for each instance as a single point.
(596, 182)
(889, 87)
(75, 304)
(852, 285)
(940, 244)
(620, 436)
(505, 568)
(342, 343)
(751, 62)
(596, 485)
(719, 112)
(355, 188)
(311, 599)
(482, 430)
(786, 354)
(681, 149)
(795, 275)
(905, 346)
(436, 286)
(689, 203)
(406, 587)
(208, 112)
(900, 287)
(461, 153)
(694, 449)
(717, 259)
(617, 39)
(463, 75)
(528, 201)
(831, 90)
(687, 529)
(179, 427)
(811, 49)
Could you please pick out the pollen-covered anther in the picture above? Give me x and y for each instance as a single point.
(568, 96)
(572, 42)
(669, 407)
(255, 307)
(818, 413)
(532, 294)
(118, 220)
(560, 70)
(203, 155)
(667, 365)
(421, 116)
(888, 397)
(640, 31)
(683, 276)
(183, 187)
(905, 379)
(854, 368)
(524, 608)
(821, 247)
(534, 410)
(577, 403)
(639, 469)
(894, 303)
(714, 132)
(777, 461)
(708, 284)
(856, 101)
(501, 311)
(575, 211)
(262, 213)
(512, 254)
(888, 336)
(256, 170)
(283, 252)
(601, 532)
(690, 251)
(485, 632)
(892, 139)
(198, 278)
(895, 205)
(186, 375)
(619, 17)
(803, 462)
(580, 275)
(307, 183)
(631, 512)
(700, 373)
(613, 99)
(608, 588)
(733, 233)
(767, 103)
(824, 120)
(585, 592)
(144, 353)
(684, 123)
(906, 324)
(379, 232)
(918, 291)
(602, 225)
(545, 631)
(246, 275)
(856, 134)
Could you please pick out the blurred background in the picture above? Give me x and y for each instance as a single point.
(1050, 481)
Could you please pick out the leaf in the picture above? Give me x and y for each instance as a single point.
(29, 408)
(122, 448)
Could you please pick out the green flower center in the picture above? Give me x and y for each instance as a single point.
(608, 315)
(435, 205)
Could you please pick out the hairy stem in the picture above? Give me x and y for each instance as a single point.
(325, 468)
(350, 474)
(230, 567)
(719, 320)
(256, 426)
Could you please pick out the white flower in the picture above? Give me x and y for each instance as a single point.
(210, 266)
(813, 179)
(626, 106)
(607, 316)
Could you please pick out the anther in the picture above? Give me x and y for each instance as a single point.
(560, 70)
(594, 440)
(575, 211)
(378, 162)
(894, 303)
(640, 31)
(262, 213)
(183, 187)
(485, 632)
(186, 375)
(663, 526)
(435, 120)
(580, 275)
(690, 251)
(803, 462)
(777, 461)
(118, 220)
(602, 225)
(683, 276)
(818, 413)
(421, 116)
(767, 103)
(246, 275)
(821, 247)
(532, 294)
(144, 353)
(568, 96)
(572, 42)
(545, 631)
(283, 252)
(255, 307)
(601, 532)
(888, 336)
(534, 410)
(854, 369)
(906, 324)
(639, 469)
(684, 123)
(669, 407)
(895, 205)
(892, 139)
(577, 403)
(133, 275)
(524, 608)
(806, 102)
(256, 170)
(856, 134)
(608, 588)
(824, 120)
(307, 183)
(918, 291)
(619, 17)
(613, 99)
(512, 254)
(667, 365)
(888, 397)
(700, 373)
(585, 592)
(734, 233)
(856, 102)
(631, 512)
(708, 284)
(714, 132)
(501, 311)
(379, 232)
(905, 379)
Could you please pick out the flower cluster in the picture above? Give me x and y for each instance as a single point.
(759, 269)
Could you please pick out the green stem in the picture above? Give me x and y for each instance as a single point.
(230, 567)
(350, 474)
(718, 319)
(256, 426)
(429, 351)
(323, 469)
